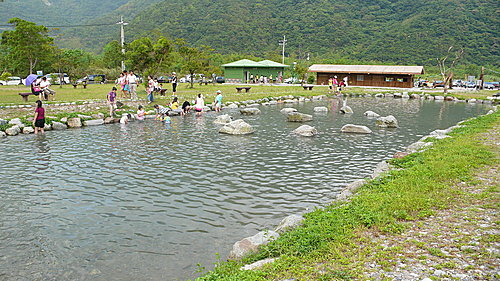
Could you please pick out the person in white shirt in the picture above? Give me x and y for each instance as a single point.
(199, 104)
(132, 81)
(44, 86)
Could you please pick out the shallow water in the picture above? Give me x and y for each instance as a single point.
(147, 202)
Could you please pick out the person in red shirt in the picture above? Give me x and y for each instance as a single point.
(39, 118)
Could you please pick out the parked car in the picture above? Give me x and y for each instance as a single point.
(182, 80)
(489, 85)
(164, 79)
(12, 81)
(458, 83)
(438, 84)
(470, 85)
(54, 78)
(93, 79)
(220, 79)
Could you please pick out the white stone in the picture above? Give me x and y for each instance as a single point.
(418, 146)
(232, 106)
(371, 114)
(439, 98)
(74, 122)
(223, 119)
(273, 102)
(14, 130)
(289, 223)
(3, 134)
(388, 121)
(306, 131)
(287, 110)
(257, 264)
(382, 167)
(64, 119)
(289, 101)
(321, 109)
(299, 117)
(237, 127)
(28, 130)
(59, 126)
(471, 100)
(358, 129)
(94, 122)
(346, 109)
(251, 244)
(16, 121)
(249, 111)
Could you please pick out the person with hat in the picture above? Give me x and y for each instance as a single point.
(174, 83)
(218, 101)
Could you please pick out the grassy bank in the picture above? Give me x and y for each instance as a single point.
(327, 246)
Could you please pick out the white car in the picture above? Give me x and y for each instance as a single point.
(54, 78)
(12, 81)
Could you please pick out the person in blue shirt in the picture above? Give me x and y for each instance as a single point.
(218, 101)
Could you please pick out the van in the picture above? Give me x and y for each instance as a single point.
(93, 79)
(54, 78)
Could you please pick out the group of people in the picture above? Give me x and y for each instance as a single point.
(41, 88)
(127, 82)
(335, 85)
(264, 79)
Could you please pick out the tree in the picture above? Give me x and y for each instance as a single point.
(194, 59)
(27, 46)
(112, 54)
(446, 69)
(148, 57)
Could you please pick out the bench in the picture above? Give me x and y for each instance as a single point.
(247, 89)
(308, 87)
(84, 86)
(204, 82)
(25, 96)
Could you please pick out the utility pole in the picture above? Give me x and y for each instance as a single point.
(122, 36)
(283, 43)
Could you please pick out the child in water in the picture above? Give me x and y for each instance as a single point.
(141, 113)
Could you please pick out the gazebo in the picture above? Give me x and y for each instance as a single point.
(240, 71)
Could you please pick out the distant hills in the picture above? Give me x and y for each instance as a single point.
(387, 31)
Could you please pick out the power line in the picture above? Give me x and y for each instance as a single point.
(58, 26)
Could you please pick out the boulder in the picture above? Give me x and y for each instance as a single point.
(355, 185)
(358, 129)
(414, 96)
(3, 134)
(28, 130)
(273, 102)
(387, 122)
(223, 119)
(398, 95)
(84, 116)
(449, 98)
(371, 114)
(17, 122)
(405, 96)
(14, 130)
(382, 167)
(250, 111)
(251, 244)
(320, 109)
(389, 95)
(75, 122)
(258, 264)
(231, 106)
(237, 127)
(109, 120)
(287, 110)
(299, 117)
(418, 146)
(64, 119)
(400, 154)
(346, 109)
(289, 223)
(379, 95)
(306, 131)
(59, 126)
(47, 127)
(94, 122)
(288, 101)
(438, 98)
(471, 100)
(368, 95)
(98, 116)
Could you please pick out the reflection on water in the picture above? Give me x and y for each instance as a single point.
(147, 201)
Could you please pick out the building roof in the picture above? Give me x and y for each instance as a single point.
(367, 69)
(251, 63)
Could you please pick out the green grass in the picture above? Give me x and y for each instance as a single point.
(328, 235)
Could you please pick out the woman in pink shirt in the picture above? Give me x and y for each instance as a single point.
(39, 118)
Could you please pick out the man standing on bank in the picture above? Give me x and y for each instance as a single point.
(132, 81)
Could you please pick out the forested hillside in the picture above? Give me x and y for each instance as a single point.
(388, 31)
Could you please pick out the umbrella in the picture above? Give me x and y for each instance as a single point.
(29, 80)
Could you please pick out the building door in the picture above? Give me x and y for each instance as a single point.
(247, 76)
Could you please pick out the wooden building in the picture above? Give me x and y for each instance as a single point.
(241, 71)
(368, 75)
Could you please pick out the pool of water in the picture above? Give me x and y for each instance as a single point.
(146, 202)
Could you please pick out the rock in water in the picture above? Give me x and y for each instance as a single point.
(251, 244)
(237, 127)
(250, 111)
(59, 126)
(28, 130)
(74, 122)
(299, 117)
(3, 134)
(14, 130)
(109, 120)
(289, 223)
(231, 106)
(350, 128)
(371, 114)
(387, 122)
(320, 109)
(287, 110)
(346, 109)
(94, 122)
(223, 119)
(306, 131)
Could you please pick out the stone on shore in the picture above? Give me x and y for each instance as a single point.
(109, 120)
(94, 122)
(251, 244)
(250, 111)
(287, 110)
(438, 98)
(289, 101)
(418, 146)
(414, 96)
(350, 189)
(237, 127)
(75, 122)
(306, 131)
(321, 109)
(3, 134)
(28, 130)
(289, 223)
(223, 119)
(299, 117)
(13, 131)
(379, 95)
(231, 106)
(98, 116)
(64, 119)
(382, 167)
(358, 129)
(257, 264)
(371, 114)
(59, 126)
(346, 109)
(387, 122)
(47, 127)
(17, 122)
(81, 116)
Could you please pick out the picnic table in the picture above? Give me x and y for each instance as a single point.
(84, 86)
(25, 96)
(247, 89)
(307, 87)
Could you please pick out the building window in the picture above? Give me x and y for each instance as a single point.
(389, 79)
(400, 80)
(360, 78)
